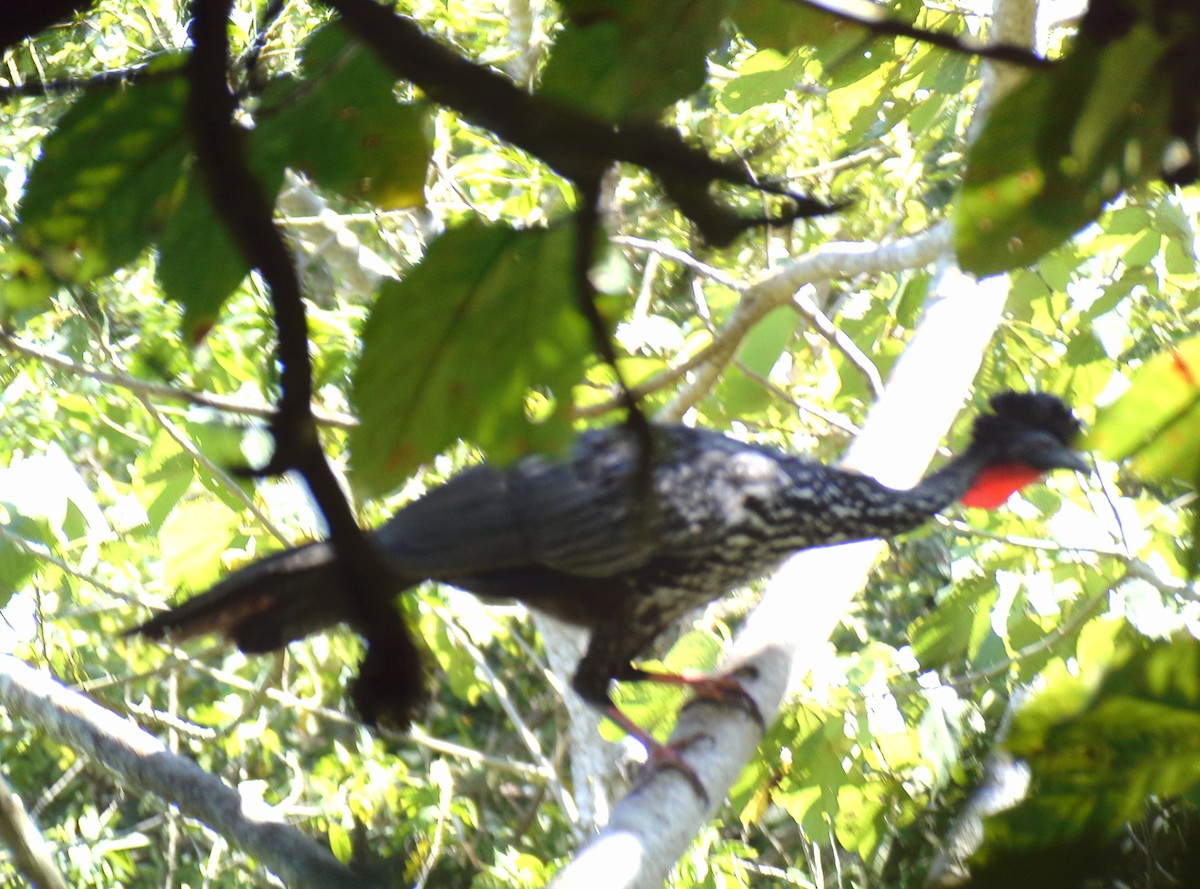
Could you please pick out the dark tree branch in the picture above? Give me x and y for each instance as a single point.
(111, 79)
(390, 683)
(877, 21)
(25, 18)
(576, 145)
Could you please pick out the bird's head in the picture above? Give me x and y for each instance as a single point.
(1022, 437)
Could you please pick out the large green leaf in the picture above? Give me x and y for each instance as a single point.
(772, 24)
(106, 180)
(193, 538)
(198, 263)
(1156, 426)
(342, 125)
(1156, 423)
(454, 350)
(617, 58)
(1059, 146)
(1100, 741)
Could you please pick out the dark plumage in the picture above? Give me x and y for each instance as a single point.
(580, 540)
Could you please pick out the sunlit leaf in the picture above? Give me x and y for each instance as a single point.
(1098, 747)
(193, 538)
(1156, 423)
(107, 179)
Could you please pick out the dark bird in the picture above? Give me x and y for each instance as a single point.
(596, 541)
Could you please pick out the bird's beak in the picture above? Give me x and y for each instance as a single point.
(1073, 460)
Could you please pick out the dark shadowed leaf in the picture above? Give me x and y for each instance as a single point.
(782, 25)
(198, 263)
(454, 350)
(341, 124)
(618, 59)
(1058, 147)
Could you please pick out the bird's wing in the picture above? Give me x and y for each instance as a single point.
(573, 518)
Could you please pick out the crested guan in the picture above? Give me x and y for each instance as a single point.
(584, 539)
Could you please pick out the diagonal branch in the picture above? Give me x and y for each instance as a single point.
(141, 761)
(876, 20)
(575, 144)
(163, 391)
(390, 677)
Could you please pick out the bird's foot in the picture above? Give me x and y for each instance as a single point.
(660, 756)
(725, 688)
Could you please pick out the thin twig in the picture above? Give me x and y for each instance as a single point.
(876, 20)
(222, 403)
(823, 325)
(683, 258)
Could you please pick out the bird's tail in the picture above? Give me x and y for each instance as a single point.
(265, 605)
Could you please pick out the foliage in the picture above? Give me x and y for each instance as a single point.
(439, 265)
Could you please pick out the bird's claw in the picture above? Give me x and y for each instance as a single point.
(667, 756)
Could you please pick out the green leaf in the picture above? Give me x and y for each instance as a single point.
(1156, 423)
(765, 77)
(1058, 147)
(198, 264)
(620, 59)
(1099, 745)
(454, 349)
(106, 180)
(957, 626)
(342, 125)
(165, 486)
(783, 26)
(193, 538)
(17, 562)
(739, 393)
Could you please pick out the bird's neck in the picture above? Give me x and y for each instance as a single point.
(875, 510)
(951, 483)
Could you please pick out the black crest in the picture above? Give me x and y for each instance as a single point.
(1027, 410)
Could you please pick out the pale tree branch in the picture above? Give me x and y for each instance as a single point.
(789, 630)
(143, 763)
(836, 260)
(29, 849)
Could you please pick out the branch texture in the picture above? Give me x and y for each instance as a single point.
(142, 762)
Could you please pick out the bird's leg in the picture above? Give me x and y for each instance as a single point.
(659, 756)
(724, 688)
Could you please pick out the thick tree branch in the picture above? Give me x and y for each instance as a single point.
(29, 849)
(25, 18)
(142, 762)
(390, 678)
(576, 145)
